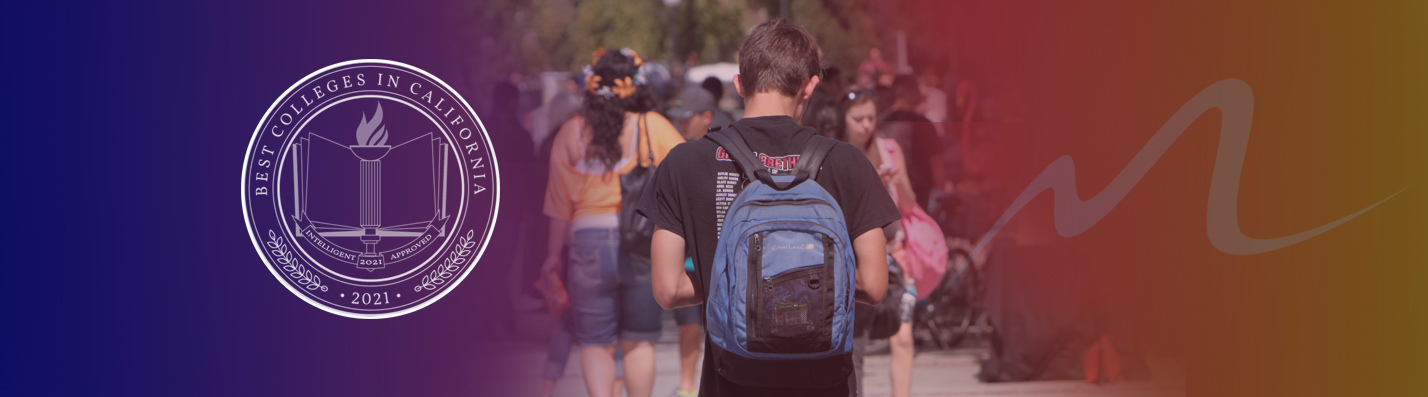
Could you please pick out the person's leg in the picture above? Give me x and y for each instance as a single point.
(595, 300)
(598, 364)
(860, 346)
(558, 353)
(901, 360)
(639, 367)
(639, 324)
(691, 342)
(619, 389)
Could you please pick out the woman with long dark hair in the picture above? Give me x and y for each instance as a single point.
(853, 118)
(610, 293)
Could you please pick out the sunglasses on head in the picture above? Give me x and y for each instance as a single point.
(856, 94)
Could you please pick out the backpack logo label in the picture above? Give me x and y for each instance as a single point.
(792, 247)
(370, 189)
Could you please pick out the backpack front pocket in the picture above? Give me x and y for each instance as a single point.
(791, 292)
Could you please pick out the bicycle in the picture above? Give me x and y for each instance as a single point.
(953, 310)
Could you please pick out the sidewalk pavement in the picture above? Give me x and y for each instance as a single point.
(935, 373)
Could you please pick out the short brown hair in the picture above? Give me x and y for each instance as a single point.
(778, 56)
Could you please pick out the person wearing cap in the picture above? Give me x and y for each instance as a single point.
(693, 111)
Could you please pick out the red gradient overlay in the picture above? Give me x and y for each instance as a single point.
(1338, 98)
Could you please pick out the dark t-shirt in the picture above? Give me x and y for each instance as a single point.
(918, 137)
(697, 182)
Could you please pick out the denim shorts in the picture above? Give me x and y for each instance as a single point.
(689, 315)
(610, 293)
(559, 353)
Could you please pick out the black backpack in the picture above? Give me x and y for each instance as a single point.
(882, 321)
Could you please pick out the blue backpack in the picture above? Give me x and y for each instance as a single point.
(780, 299)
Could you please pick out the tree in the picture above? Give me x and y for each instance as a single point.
(713, 29)
(613, 24)
(845, 29)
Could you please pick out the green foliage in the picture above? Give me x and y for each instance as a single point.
(845, 29)
(549, 28)
(532, 36)
(713, 29)
(613, 24)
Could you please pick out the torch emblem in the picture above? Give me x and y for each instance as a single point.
(371, 147)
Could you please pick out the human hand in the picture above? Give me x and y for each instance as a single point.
(553, 263)
(889, 175)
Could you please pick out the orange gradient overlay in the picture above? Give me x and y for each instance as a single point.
(1338, 124)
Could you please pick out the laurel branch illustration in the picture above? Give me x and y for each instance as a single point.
(448, 268)
(292, 266)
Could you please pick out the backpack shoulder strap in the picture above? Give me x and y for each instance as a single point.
(742, 155)
(811, 161)
(644, 128)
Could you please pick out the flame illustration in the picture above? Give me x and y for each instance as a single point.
(369, 133)
(1236, 103)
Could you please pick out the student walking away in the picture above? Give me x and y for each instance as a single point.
(934, 107)
(692, 112)
(917, 242)
(715, 87)
(906, 124)
(558, 354)
(690, 320)
(811, 211)
(513, 146)
(563, 107)
(610, 293)
(874, 66)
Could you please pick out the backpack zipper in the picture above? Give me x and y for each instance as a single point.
(774, 203)
(769, 281)
(755, 269)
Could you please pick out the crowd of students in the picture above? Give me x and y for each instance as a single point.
(609, 127)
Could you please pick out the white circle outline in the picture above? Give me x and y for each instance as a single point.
(485, 138)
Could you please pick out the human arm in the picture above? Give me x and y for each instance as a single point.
(555, 244)
(870, 251)
(672, 287)
(897, 178)
(558, 205)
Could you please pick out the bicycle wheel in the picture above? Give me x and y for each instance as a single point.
(950, 312)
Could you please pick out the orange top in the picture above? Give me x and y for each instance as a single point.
(579, 188)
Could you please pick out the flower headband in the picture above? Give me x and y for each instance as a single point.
(623, 87)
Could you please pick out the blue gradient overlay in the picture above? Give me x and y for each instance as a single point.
(130, 271)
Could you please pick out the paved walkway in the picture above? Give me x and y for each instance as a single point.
(935, 373)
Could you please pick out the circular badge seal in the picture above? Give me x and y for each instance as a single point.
(370, 189)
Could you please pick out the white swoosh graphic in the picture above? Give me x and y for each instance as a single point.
(1236, 103)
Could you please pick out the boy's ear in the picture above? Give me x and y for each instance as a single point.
(808, 88)
(739, 87)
